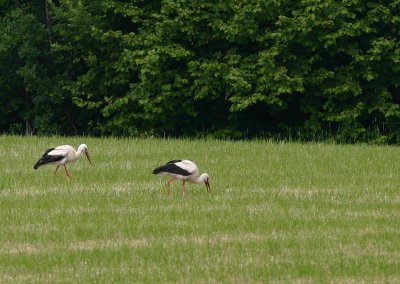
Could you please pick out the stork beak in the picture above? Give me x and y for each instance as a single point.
(88, 157)
(207, 186)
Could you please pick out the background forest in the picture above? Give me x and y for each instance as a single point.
(230, 69)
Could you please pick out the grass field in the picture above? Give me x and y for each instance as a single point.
(278, 212)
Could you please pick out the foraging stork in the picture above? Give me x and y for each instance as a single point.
(62, 155)
(184, 170)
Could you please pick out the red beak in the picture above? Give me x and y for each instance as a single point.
(207, 186)
(87, 156)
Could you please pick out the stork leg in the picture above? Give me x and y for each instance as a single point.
(184, 188)
(66, 171)
(168, 184)
(55, 172)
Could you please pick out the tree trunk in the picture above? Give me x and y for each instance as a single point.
(28, 107)
(48, 23)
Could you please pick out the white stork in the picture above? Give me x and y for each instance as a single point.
(61, 155)
(184, 170)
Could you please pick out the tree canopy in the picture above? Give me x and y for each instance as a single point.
(234, 69)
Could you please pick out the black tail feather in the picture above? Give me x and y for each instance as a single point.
(40, 161)
(159, 170)
(171, 168)
(38, 164)
(47, 159)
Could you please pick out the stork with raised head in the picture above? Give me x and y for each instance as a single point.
(184, 170)
(61, 155)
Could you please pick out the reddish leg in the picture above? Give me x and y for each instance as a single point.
(184, 188)
(55, 172)
(169, 184)
(66, 171)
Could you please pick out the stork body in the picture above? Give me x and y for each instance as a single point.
(62, 155)
(184, 170)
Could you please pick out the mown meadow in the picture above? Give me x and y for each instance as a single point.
(278, 212)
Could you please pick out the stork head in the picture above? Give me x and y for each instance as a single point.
(83, 148)
(205, 178)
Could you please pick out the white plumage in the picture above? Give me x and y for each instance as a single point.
(61, 155)
(184, 170)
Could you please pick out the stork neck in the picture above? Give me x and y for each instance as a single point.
(199, 179)
(80, 151)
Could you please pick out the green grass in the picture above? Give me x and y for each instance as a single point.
(278, 212)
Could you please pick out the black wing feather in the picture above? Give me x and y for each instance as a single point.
(48, 151)
(174, 161)
(171, 168)
(46, 159)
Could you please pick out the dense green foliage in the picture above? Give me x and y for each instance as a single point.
(177, 67)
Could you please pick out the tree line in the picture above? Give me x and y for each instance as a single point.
(228, 69)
